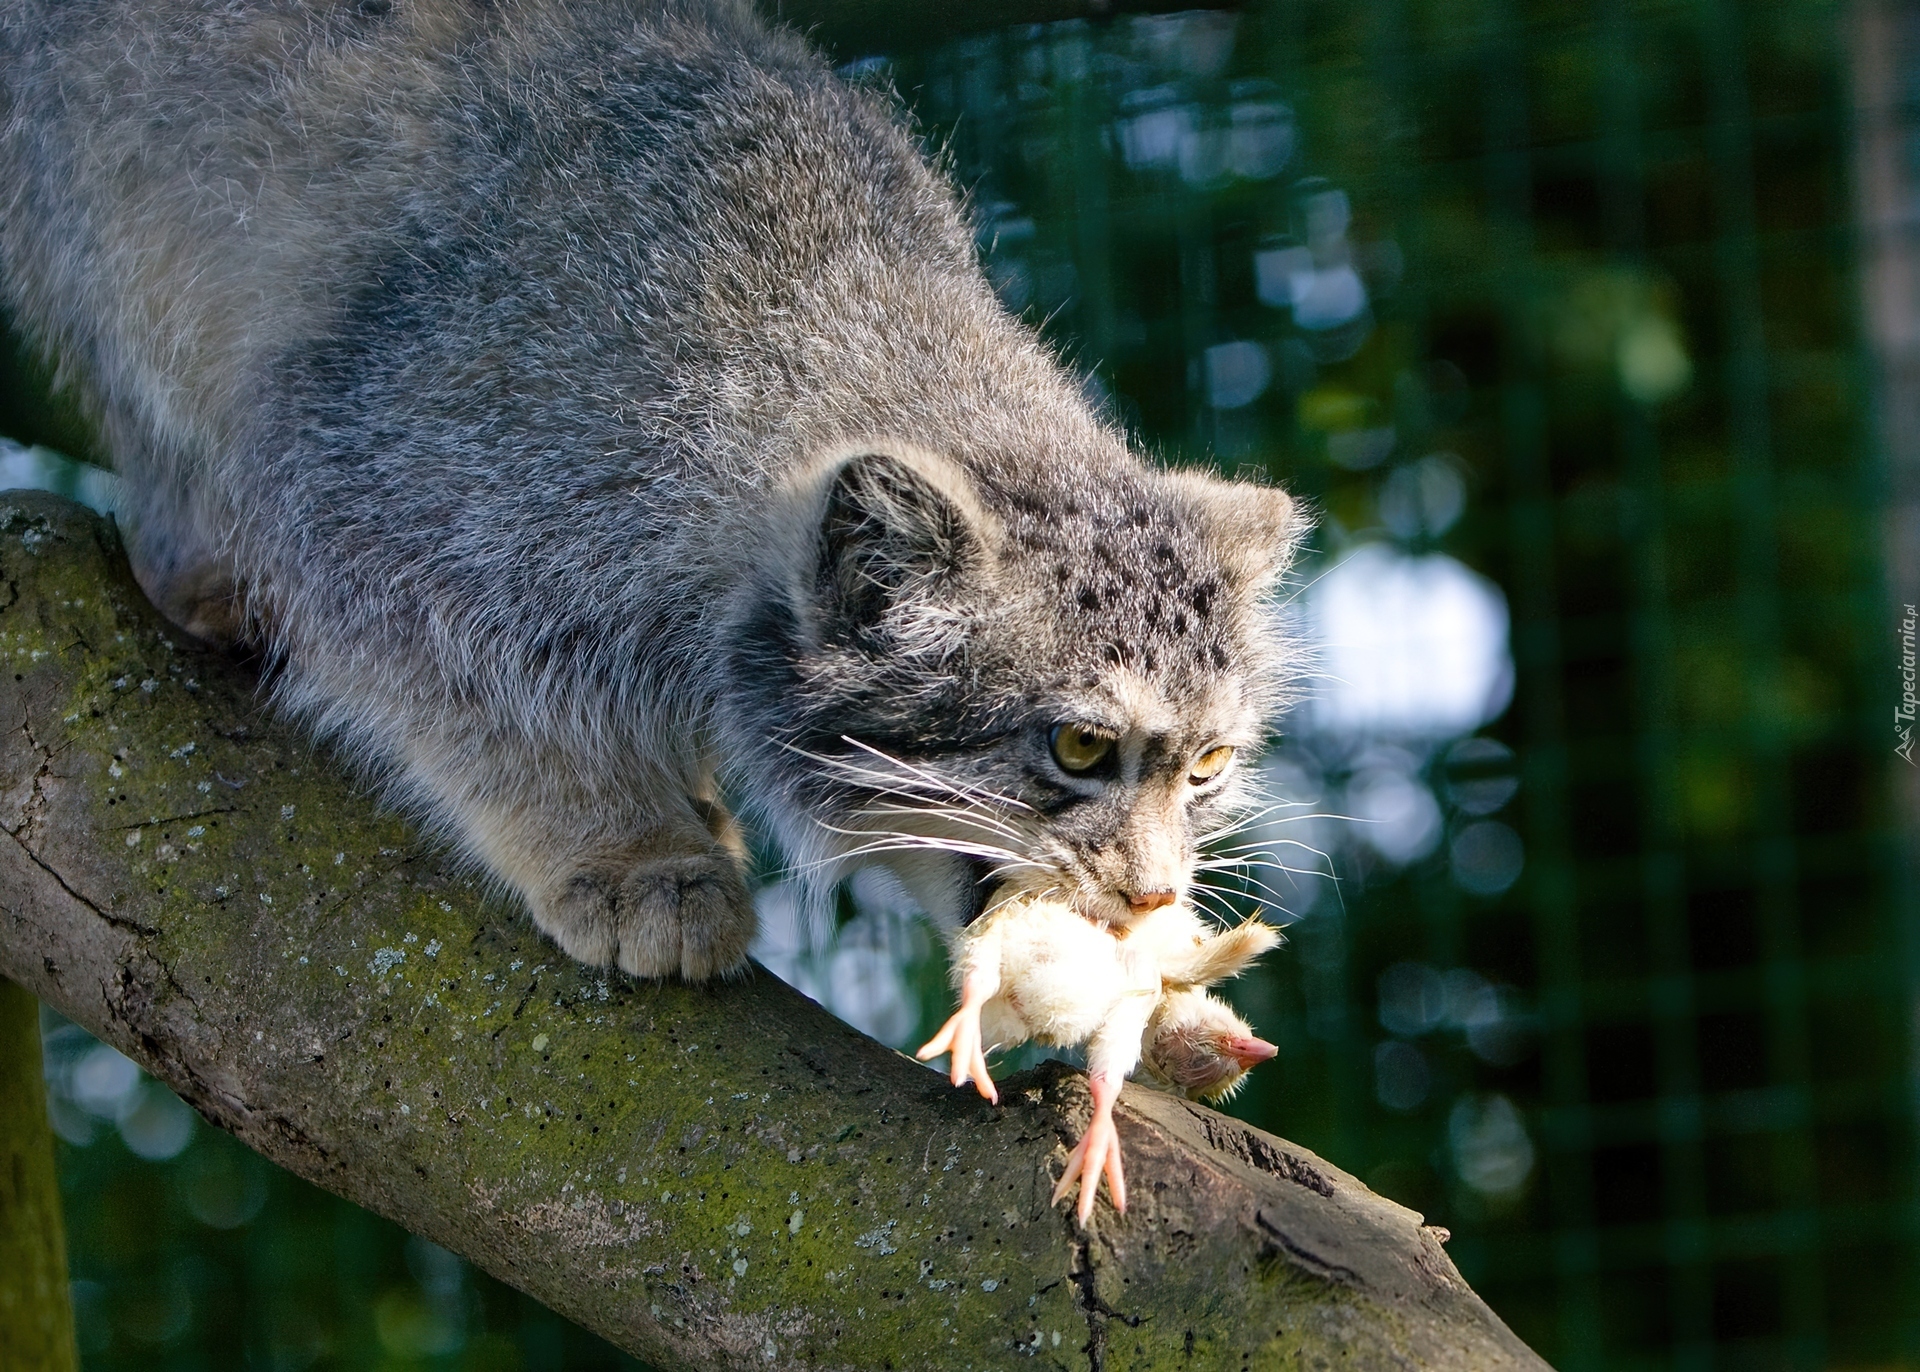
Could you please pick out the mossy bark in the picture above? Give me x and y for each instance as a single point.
(719, 1176)
(36, 1317)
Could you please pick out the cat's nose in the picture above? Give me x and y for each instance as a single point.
(1142, 901)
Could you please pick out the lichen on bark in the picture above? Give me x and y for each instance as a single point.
(720, 1176)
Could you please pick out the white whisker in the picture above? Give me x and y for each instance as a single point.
(1245, 822)
(1267, 892)
(1270, 900)
(1213, 903)
(1257, 850)
(966, 847)
(905, 781)
(932, 778)
(1254, 862)
(967, 817)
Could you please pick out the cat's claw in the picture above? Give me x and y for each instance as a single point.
(1098, 1151)
(960, 1036)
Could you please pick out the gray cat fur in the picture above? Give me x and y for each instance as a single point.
(596, 410)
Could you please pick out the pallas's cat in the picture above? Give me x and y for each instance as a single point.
(597, 413)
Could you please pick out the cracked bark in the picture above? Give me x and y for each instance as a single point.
(710, 1177)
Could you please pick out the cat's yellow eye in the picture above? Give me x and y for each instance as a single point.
(1080, 747)
(1211, 764)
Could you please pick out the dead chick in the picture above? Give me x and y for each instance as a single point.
(1035, 968)
(1198, 1047)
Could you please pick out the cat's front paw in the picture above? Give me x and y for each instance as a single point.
(687, 916)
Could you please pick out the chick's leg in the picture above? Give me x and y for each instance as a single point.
(1097, 1151)
(1112, 1053)
(960, 1035)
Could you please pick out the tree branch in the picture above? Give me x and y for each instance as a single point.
(709, 1177)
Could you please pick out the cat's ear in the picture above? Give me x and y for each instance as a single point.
(1255, 529)
(895, 527)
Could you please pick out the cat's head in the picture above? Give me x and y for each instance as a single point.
(999, 672)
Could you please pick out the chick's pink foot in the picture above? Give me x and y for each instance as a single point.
(960, 1036)
(1097, 1151)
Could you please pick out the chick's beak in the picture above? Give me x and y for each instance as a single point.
(1248, 1051)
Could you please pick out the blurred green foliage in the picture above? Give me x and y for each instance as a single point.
(1565, 293)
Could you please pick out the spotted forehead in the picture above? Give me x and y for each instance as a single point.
(1143, 589)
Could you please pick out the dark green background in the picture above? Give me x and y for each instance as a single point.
(1711, 956)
